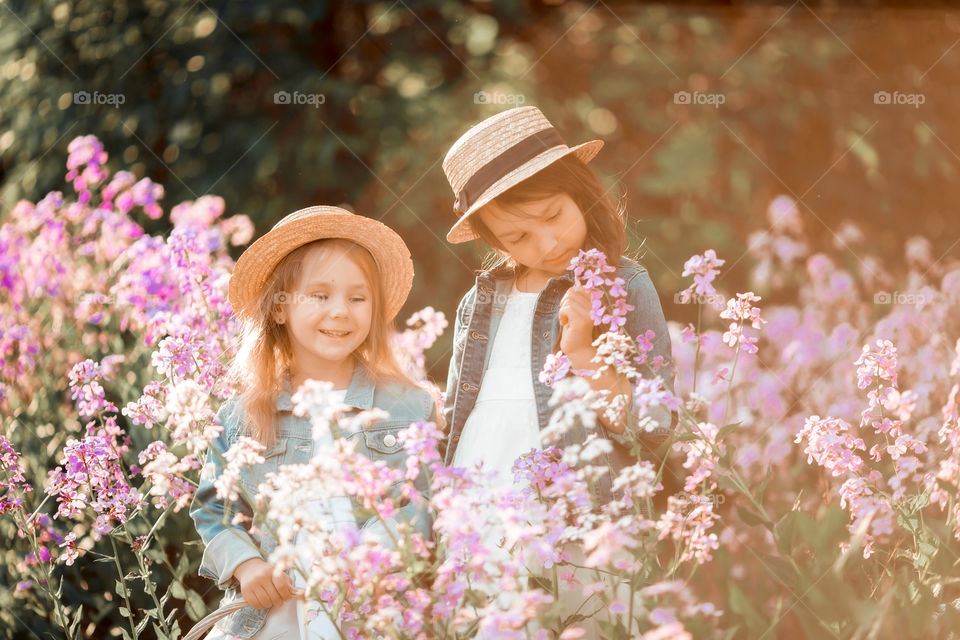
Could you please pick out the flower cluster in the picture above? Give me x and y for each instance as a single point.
(869, 495)
(608, 304)
(91, 476)
(86, 391)
(13, 483)
(86, 164)
(704, 269)
(126, 192)
(168, 475)
(423, 329)
(740, 310)
(243, 453)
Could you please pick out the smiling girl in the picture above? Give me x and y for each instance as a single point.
(317, 296)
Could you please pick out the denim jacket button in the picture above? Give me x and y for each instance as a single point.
(465, 386)
(475, 335)
(546, 334)
(389, 440)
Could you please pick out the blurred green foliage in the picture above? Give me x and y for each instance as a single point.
(201, 113)
(398, 83)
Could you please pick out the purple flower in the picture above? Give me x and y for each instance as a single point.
(12, 480)
(556, 367)
(607, 295)
(90, 476)
(86, 390)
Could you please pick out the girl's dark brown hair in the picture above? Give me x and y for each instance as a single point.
(606, 229)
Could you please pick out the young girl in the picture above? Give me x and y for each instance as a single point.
(525, 193)
(317, 296)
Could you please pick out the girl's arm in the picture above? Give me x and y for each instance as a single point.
(576, 343)
(647, 315)
(226, 546)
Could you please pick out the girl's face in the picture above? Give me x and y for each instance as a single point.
(542, 235)
(328, 315)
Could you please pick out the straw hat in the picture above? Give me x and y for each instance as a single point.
(317, 223)
(499, 153)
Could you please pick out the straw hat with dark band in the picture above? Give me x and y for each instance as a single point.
(317, 223)
(499, 153)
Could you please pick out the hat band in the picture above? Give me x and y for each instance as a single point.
(513, 158)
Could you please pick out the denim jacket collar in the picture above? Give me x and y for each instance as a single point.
(504, 272)
(359, 393)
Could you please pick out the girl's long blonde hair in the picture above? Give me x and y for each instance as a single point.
(264, 357)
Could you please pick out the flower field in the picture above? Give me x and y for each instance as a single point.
(808, 489)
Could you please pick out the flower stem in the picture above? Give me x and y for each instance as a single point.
(126, 598)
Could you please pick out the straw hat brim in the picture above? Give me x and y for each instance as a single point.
(260, 259)
(462, 232)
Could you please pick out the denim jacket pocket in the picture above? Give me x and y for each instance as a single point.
(382, 441)
(251, 477)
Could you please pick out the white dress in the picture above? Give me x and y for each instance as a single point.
(338, 512)
(503, 424)
(283, 621)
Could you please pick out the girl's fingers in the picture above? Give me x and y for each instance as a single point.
(283, 585)
(256, 598)
(275, 599)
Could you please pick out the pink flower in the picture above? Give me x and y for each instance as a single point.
(556, 367)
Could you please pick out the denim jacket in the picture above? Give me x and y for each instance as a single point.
(226, 546)
(478, 317)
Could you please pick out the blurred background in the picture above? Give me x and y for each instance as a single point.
(709, 112)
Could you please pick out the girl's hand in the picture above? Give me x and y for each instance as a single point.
(576, 325)
(263, 585)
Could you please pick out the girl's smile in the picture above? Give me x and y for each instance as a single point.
(329, 315)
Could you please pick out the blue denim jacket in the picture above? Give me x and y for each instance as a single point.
(226, 546)
(478, 317)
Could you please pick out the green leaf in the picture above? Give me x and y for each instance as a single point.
(922, 607)
(945, 561)
(783, 532)
(741, 605)
(183, 564)
(195, 606)
(71, 632)
(724, 482)
(726, 430)
(121, 589)
(750, 517)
